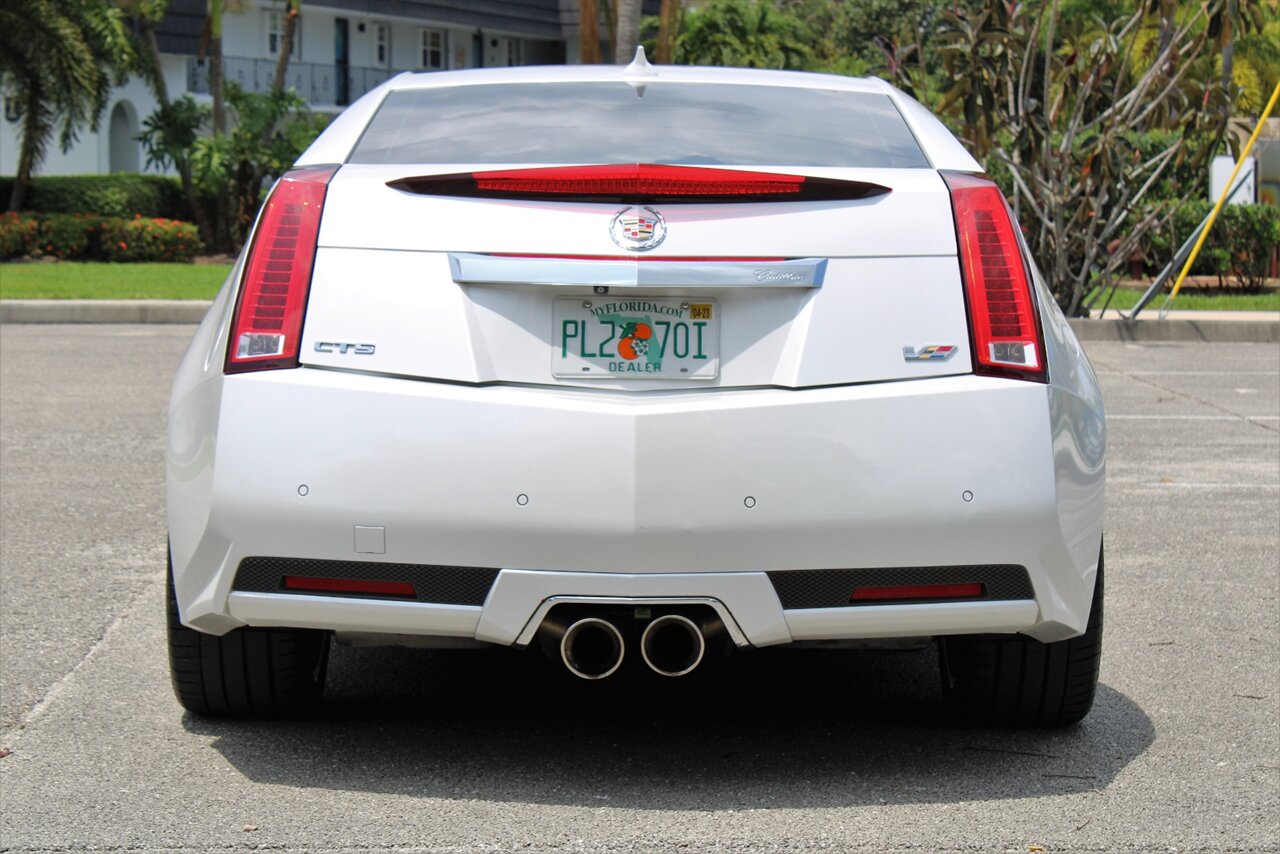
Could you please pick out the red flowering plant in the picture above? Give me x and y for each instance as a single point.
(149, 239)
(18, 235)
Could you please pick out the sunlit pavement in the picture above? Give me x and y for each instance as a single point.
(779, 750)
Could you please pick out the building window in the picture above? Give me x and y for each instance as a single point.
(381, 45)
(433, 49)
(275, 34)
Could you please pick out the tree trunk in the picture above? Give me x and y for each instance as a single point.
(215, 67)
(286, 43)
(35, 130)
(628, 32)
(1228, 45)
(667, 21)
(147, 29)
(589, 32)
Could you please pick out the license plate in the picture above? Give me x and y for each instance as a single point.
(636, 338)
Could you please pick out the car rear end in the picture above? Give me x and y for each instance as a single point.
(516, 351)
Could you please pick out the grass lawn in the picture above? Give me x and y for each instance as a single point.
(82, 280)
(1199, 299)
(79, 280)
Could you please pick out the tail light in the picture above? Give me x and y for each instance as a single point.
(273, 292)
(1003, 321)
(638, 182)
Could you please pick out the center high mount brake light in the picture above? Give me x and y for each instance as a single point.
(638, 183)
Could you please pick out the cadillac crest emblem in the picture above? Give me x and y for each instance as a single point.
(638, 229)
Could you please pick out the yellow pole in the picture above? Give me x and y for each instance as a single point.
(1213, 215)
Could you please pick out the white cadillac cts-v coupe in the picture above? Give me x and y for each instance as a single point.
(639, 366)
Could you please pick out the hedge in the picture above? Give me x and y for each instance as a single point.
(1239, 245)
(89, 237)
(122, 195)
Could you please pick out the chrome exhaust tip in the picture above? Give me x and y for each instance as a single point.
(672, 645)
(592, 648)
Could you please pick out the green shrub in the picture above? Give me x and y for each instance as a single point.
(124, 195)
(1239, 245)
(144, 239)
(1255, 233)
(17, 235)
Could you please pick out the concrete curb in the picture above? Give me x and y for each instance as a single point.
(102, 311)
(1207, 327)
(1210, 330)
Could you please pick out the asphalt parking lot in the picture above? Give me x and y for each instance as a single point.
(483, 750)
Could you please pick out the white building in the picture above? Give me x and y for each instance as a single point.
(343, 49)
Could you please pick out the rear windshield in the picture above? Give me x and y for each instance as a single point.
(612, 122)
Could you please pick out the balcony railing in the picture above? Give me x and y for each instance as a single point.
(318, 84)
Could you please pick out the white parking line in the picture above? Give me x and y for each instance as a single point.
(1193, 417)
(1190, 373)
(1148, 483)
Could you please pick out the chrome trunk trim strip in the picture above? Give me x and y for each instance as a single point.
(470, 268)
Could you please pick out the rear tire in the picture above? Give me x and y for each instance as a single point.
(1014, 680)
(247, 672)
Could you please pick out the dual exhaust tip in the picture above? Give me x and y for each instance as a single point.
(671, 645)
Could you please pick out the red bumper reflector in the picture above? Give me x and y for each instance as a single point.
(638, 182)
(348, 585)
(916, 591)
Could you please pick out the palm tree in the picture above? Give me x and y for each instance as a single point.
(213, 43)
(668, 23)
(63, 57)
(589, 31)
(292, 8)
(170, 132)
(628, 33)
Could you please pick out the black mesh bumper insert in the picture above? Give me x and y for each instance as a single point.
(832, 588)
(441, 585)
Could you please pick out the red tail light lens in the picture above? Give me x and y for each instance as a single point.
(638, 182)
(277, 274)
(1003, 320)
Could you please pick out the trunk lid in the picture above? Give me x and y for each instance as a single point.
(747, 293)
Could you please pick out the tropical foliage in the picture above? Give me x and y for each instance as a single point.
(61, 57)
(268, 132)
(1097, 117)
(743, 33)
(1059, 109)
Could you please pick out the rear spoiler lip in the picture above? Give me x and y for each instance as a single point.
(642, 178)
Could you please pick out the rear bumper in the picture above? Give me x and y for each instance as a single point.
(642, 496)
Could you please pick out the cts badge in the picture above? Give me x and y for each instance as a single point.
(344, 348)
(929, 353)
(637, 228)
